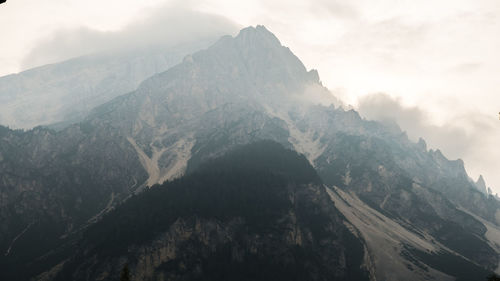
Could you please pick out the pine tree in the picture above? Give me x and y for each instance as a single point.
(494, 277)
(125, 275)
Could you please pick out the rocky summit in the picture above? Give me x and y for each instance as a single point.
(237, 164)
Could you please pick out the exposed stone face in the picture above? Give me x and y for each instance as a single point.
(290, 230)
(481, 185)
(52, 184)
(210, 236)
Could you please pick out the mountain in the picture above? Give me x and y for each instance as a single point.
(481, 185)
(53, 184)
(259, 212)
(416, 214)
(63, 93)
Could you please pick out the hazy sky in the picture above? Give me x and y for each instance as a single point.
(435, 65)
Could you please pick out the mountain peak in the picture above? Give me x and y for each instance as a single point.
(252, 37)
(422, 144)
(257, 28)
(260, 46)
(257, 54)
(481, 184)
(259, 32)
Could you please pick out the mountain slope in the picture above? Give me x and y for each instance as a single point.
(53, 184)
(211, 90)
(259, 212)
(65, 92)
(400, 253)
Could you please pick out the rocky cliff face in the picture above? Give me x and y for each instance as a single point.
(239, 91)
(481, 185)
(53, 184)
(259, 212)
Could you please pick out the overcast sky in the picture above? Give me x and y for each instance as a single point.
(433, 65)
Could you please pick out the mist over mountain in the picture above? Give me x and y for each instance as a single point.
(64, 93)
(74, 70)
(466, 136)
(236, 163)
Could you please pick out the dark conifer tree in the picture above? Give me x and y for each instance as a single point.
(125, 275)
(494, 277)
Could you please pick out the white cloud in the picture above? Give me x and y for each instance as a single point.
(29, 29)
(166, 25)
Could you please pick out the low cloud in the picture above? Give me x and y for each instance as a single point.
(472, 136)
(452, 140)
(172, 24)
